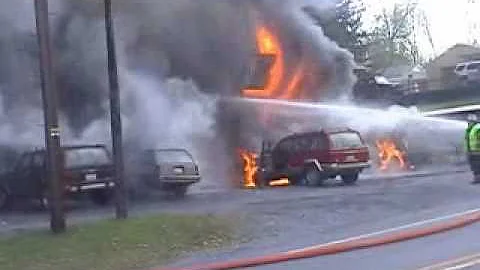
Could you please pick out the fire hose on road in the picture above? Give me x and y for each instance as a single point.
(398, 234)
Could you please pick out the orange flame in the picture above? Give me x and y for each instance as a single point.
(268, 44)
(388, 152)
(249, 168)
(292, 88)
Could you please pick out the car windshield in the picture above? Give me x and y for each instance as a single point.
(172, 156)
(473, 66)
(345, 140)
(84, 157)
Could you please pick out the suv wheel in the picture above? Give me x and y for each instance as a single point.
(312, 177)
(350, 178)
(101, 196)
(4, 198)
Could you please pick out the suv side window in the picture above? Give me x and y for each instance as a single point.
(305, 143)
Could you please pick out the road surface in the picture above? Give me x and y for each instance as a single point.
(286, 219)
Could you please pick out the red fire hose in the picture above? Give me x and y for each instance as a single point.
(343, 246)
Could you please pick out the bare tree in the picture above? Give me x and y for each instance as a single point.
(393, 40)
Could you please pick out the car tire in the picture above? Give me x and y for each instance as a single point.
(350, 178)
(101, 196)
(4, 198)
(312, 177)
(180, 191)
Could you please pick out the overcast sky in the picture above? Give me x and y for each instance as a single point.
(450, 20)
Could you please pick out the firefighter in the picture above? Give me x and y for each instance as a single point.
(472, 146)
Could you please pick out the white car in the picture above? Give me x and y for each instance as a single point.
(468, 71)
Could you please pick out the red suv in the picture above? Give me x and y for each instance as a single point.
(312, 157)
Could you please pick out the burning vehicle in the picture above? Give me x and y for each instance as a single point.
(308, 158)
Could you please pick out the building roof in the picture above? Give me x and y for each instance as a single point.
(456, 54)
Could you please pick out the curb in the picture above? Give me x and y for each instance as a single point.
(413, 175)
(367, 241)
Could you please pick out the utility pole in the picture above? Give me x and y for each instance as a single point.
(116, 123)
(52, 133)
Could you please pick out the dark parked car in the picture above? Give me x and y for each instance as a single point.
(375, 90)
(172, 170)
(86, 169)
(312, 157)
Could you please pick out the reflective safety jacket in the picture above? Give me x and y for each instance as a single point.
(472, 138)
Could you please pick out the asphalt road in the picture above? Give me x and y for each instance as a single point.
(281, 219)
(409, 255)
(286, 219)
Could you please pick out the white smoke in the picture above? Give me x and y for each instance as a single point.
(169, 113)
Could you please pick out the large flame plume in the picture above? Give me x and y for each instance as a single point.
(277, 78)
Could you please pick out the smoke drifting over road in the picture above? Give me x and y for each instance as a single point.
(176, 58)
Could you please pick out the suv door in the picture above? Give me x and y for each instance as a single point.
(19, 181)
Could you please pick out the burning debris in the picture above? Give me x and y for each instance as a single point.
(390, 155)
(280, 182)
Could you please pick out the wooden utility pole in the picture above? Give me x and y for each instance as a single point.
(116, 123)
(52, 133)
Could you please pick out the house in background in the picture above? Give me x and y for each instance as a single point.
(440, 71)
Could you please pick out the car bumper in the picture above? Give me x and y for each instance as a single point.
(174, 179)
(90, 186)
(336, 167)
